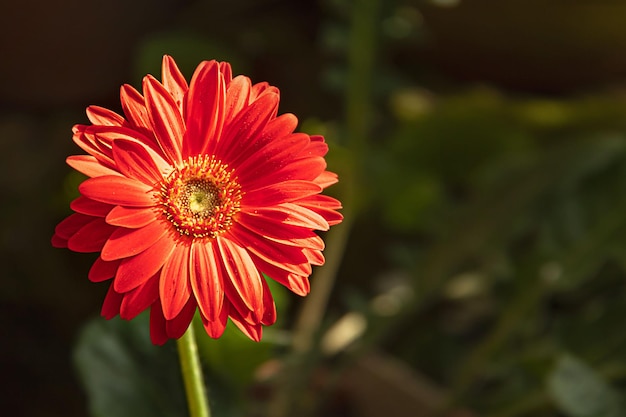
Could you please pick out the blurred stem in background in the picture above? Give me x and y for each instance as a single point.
(359, 112)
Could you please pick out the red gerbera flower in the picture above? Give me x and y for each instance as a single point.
(194, 194)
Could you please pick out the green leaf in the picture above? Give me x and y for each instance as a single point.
(124, 374)
(579, 392)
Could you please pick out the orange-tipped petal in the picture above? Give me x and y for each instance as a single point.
(174, 288)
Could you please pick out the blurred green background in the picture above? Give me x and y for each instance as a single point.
(481, 147)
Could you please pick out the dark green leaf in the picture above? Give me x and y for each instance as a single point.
(579, 392)
(124, 374)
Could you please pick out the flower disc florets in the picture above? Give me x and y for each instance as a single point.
(201, 198)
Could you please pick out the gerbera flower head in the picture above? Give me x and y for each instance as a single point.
(195, 194)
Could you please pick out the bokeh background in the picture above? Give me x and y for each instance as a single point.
(482, 152)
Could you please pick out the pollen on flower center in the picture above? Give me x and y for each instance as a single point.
(201, 197)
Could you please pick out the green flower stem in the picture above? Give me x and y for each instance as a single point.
(192, 375)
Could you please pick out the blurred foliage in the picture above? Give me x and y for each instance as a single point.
(482, 157)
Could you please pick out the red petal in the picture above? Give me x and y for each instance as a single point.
(296, 283)
(71, 225)
(129, 242)
(227, 72)
(136, 270)
(139, 299)
(286, 257)
(134, 107)
(101, 116)
(135, 161)
(166, 120)
(237, 95)
(292, 214)
(173, 81)
(273, 156)
(324, 206)
(317, 146)
(89, 165)
(176, 327)
(285, 192)
(253, 331)
(84, 137)
(204, 108)
(326, 179)
(90, 207)
(105, 136)
(174, 287)
(269, 308)
(283, 233)
(111, 304)
(118, 190)
(315, 257)
(243, 275)
(91, 237)
(102, 270)
(58, 242)
(279, 170)
(216, 327)
(206, 279)
(158, 332)
(246, 128)
(132, 217)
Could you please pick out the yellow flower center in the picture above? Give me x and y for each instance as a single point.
(201, 198)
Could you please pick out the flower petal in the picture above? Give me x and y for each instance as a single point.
(280, 170)
(89, 165)
(246, 128)
(286, 234)
(284, 192)
(273, 155)
(237, 95)
(326, 179)
(102, 270)
(206, 279)
(134, 271)
(117, 190)
(124, 243)
(286, 257)
(85, 138)
(173, 81)
(323, 205)
(134, 107)
(71, 224)
(101, 116)
(135, 161)
(174, 288)
(111, 304)
(176, 327)
(215, 328)
(91, 237)
(253, 331)
(204, 108)
(243, 275)
(296, 283)
(165, 118)
(90, 207)
(158, 332)
(315, 257)
(292, 214)
(139, 299)
(269, 308)
(131, 217)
